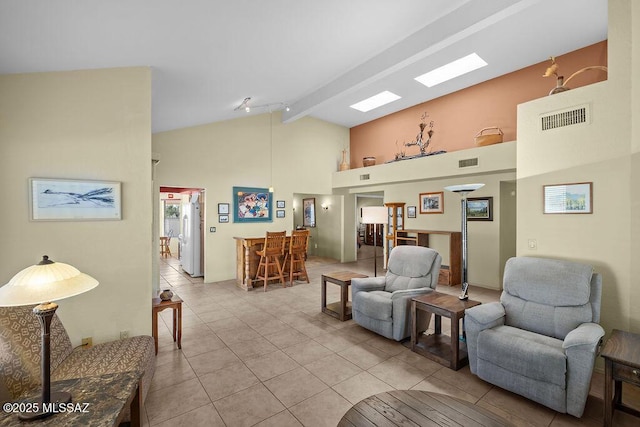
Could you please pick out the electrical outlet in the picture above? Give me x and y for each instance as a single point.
(533, 244)
(87, 342)
(124, 335)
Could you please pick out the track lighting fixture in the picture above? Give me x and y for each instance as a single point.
(244, 104)
(275, 106)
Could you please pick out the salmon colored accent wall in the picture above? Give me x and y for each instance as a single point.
(459, 116)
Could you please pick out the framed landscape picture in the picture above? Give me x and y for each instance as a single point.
(480, 209)
(411, 211)
(568, 198)
(252, 204)
(432, 203)
(74, 200)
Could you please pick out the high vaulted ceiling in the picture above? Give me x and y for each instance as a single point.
(318, 57)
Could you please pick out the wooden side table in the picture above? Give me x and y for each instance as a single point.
(342, 309)
(435, 346)
(157, 305)
(622, 363)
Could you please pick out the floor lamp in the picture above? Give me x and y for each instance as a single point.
(463, 190)
(41, 284)
(375, 215)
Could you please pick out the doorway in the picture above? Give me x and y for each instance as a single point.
(182, 224)
(365, 232)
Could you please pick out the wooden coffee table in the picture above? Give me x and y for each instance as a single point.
(342, 309)
(444, 350)
(418, 407)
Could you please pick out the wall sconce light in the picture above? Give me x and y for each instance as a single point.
(325, 207)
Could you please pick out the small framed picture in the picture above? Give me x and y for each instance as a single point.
(411, 211)
(223, 218)
(223, 208)
(280, 204)
(432, 203)
(280, 213)
(480, 209)
(568, 198)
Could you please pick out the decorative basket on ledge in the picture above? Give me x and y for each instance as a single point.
(368, 161)
(483, 139)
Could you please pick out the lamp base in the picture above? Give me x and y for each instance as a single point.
(464, 294)
(42, 410)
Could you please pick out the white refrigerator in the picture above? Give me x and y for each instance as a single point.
(190, 259)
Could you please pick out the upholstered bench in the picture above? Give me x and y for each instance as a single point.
(20, 353)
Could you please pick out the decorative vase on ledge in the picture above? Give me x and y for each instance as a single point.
(344, 165)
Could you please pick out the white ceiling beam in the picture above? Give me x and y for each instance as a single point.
(470, 18)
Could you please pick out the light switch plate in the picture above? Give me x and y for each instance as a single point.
(212, 229)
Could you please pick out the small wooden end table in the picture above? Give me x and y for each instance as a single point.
(622, 363)
(175, 303)
(435, 346)
(342, 309)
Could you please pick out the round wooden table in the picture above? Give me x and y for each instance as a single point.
(417, 407)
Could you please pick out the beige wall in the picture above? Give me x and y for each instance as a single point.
(634, 299)
(93, 125)
(248, 151)
(601, 152)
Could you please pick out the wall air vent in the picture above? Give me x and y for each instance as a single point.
(572, 116)
(364, 177)
(468, 163)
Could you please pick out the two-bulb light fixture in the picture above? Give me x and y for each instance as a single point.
(245, 104)
(325, 207)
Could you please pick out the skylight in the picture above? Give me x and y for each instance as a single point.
(452, 70)
(375, 101)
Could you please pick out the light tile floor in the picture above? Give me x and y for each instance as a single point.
(273, 359)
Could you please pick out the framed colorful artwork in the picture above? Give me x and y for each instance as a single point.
(252, 204)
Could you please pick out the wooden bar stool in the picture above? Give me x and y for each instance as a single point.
(164, 246)
(296, 255)
(270, 255)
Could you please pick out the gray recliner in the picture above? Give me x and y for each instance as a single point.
(382, 304)
(541, 340)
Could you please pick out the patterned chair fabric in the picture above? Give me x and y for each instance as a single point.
(20, 355)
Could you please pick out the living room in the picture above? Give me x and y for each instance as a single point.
(52, 126)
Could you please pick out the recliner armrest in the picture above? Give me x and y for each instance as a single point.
(585, 334)
(410, 293)
(486, 313)
(368, 284)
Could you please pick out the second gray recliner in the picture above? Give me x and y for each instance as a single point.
(382, 304)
